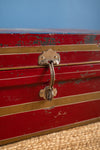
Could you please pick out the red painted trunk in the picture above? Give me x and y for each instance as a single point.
(77, 80)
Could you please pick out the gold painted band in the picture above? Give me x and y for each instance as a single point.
(60, 65)
(23, 137)
(58, 48)
(14, 109)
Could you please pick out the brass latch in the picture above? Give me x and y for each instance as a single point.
(49, 58)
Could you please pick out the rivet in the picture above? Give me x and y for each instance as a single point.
(55, 57)
(42, 57)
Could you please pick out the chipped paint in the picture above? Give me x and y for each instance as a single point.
(45, 41)
(49, 108)
(91, 66)
(59, 68)
(87, 74)
(78, 81)
(30, 39)
(1, 44)
(62, 82)
(90, 39)
(60, 114)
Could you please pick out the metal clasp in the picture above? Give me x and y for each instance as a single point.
(49, 58)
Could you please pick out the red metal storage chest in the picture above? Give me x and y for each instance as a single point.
(49, 81)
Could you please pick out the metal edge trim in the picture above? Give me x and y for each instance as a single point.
(58, 48)
(33, 106)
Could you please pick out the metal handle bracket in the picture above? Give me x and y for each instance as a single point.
(49, 58)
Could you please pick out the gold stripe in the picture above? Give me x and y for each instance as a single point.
(8, 110)
(23, 137)
(31, 67)
(58, 48)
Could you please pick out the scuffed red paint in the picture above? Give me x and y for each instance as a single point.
(23, 85)
(14, 83)
(31, 59)
(39, 120)
(17, 39)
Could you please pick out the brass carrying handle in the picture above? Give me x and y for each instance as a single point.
(52, 74)
(49, 58)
